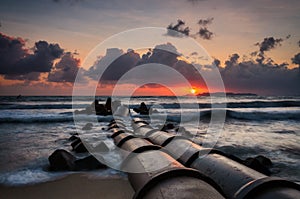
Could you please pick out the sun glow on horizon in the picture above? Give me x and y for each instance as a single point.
(193, 91)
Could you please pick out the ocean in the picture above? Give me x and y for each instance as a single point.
(32, 127)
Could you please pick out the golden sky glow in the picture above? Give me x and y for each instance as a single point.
(81, 26)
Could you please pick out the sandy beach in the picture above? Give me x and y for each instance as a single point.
(75, 186)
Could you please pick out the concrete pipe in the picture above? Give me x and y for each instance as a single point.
(160, 176)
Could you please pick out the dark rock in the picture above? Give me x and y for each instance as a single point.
(75, 142)
(143, 109)
(170, 126)
(253, 163)
(80, 148)
(88, 126)
(61, 160)
(108, 104)
(89, 163)
(264, 161)
(73, 137)
(100, 109)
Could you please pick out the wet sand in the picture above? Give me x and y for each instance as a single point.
(75, 186)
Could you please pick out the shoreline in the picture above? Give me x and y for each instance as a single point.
(75, 186)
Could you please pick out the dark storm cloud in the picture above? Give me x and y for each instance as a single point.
(178, 30)
(233, 59)
(15, 59)
(296, 59)
(204, 33)
(65, 70)
(33, 76)
(165, 54)
(205, 22)
(261, 78)
(21, 63)
(120, 63)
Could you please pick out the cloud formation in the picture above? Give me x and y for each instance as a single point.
(267, 44)
(205, 22)
(21, 63)
(118, 64)
(65, 70)
(165, 54)
(204, 33)
(296, 59)
(15, 59)
(178, 30)
(261, 78)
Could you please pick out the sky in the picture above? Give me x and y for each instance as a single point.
(44, 44)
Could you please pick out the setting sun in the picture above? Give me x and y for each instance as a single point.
(193, 91)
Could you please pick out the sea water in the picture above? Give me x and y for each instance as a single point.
(31, 128)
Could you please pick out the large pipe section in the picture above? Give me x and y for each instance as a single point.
(235, 179)
(155, 174)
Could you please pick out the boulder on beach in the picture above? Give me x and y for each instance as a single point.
(61, 160)
(88, 163)
(143, 109)
(100, 109)
(259, 163)
(75, 142)
(73, 137)
(80, 148)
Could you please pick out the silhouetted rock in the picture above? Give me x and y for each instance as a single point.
(80, 148)
(75, 142)
(61, 160)
(167, 127)
(255, 164)
(100, 109)
(73, 137)
(89, 163)
(143, 109)
(264, 161)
